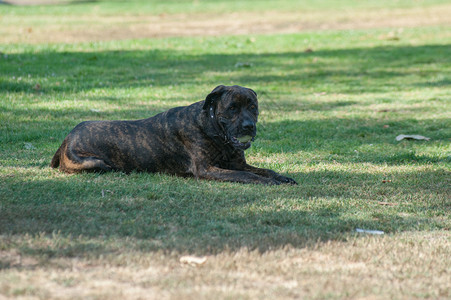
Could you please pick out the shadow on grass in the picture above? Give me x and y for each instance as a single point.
(354, 139)
(356, 70)
(155, 212)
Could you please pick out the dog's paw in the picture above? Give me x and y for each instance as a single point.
(286, 180)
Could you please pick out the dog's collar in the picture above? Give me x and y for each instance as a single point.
(216, 126)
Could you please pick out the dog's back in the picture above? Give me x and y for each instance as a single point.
(151, 145)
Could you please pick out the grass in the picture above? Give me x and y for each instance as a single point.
(332, 103)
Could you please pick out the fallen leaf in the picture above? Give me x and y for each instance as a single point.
(386, 126)
(193, 260)
(308, 50)
(29, 146)
(386, 203)
(386, 180)
(411, 137)
(369, 231)
(37, 87)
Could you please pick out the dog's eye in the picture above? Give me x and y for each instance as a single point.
(252, 107)
(232, 107)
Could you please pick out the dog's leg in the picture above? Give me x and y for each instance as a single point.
(215, 173)
(269, 174)
(71, 162)
(87, 164)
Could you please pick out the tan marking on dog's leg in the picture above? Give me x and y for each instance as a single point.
(68, 165)
(88, 164)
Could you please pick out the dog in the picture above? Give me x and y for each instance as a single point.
(205, 140)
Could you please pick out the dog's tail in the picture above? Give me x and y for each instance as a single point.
(56, 158)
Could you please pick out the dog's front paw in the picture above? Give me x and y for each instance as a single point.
(286, 180)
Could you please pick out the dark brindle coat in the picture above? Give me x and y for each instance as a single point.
(200, 140)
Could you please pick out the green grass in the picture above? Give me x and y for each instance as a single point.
(324, 118)
(329, 118)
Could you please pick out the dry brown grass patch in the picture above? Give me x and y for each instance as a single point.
(404, 266)
(82, 28)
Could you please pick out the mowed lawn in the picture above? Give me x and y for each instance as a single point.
(337, 83)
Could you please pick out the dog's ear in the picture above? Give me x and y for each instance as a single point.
(214, 96)
(253, 92)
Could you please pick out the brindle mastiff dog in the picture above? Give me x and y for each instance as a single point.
(206, 140)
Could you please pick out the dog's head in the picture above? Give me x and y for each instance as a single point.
(235, 110)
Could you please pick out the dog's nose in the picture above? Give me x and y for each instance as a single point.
(248, 125)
